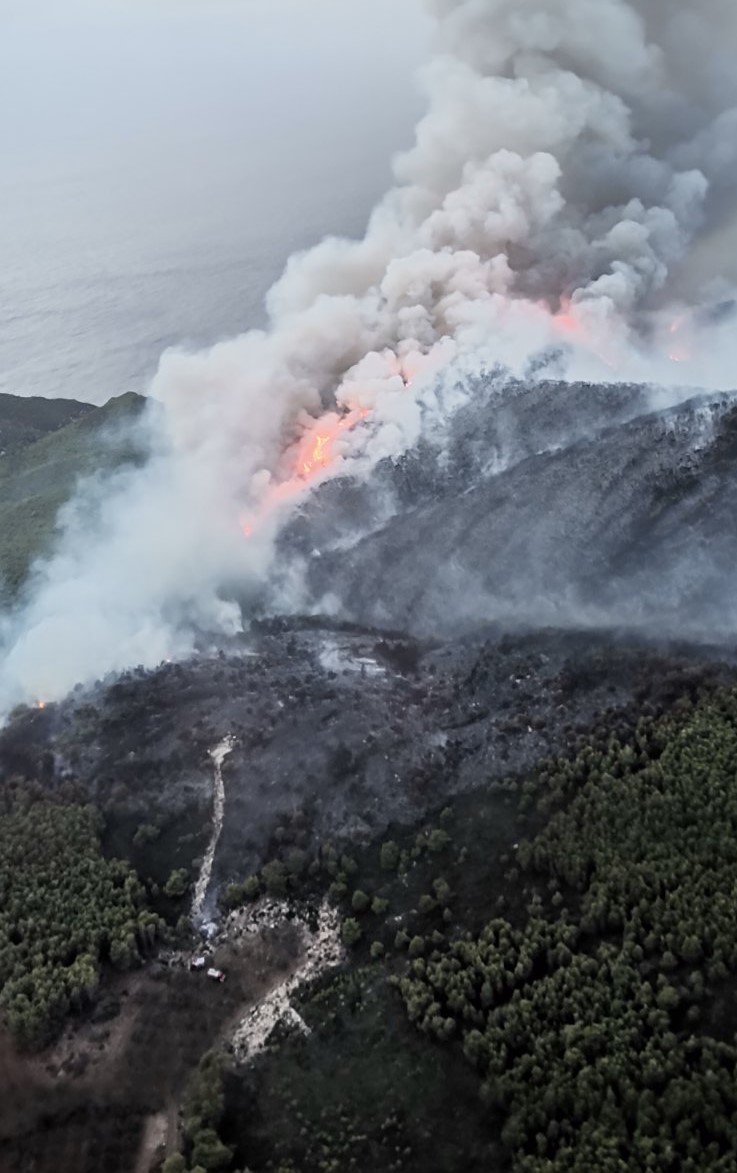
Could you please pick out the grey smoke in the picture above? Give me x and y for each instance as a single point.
(575, 154)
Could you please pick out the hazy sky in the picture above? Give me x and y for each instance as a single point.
(159, 161)
(72, 74)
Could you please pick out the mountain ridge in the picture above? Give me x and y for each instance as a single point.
(47, 445)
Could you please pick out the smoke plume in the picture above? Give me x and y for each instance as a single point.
(568, 194)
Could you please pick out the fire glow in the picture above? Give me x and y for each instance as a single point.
(324, 443)
(322, 447)
(314, 455)
(679, 350)
(318, 449)
(568, 324)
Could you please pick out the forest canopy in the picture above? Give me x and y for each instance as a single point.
(588, 1023)
(64, 909)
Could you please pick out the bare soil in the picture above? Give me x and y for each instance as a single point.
(101, 1098)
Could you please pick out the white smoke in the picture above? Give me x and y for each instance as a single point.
(574, 155)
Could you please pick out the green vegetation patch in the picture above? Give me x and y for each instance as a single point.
(583, 1023)
(204, 1105)
(64, 909)
(365, 1092)
(39, 477)
(25, 419)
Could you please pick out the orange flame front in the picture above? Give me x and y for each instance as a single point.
(319, 456)
(316, 449)
(312, 454)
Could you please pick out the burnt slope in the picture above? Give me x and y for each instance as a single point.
(582, 506)
(337, 732)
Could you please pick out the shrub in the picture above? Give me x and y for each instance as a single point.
(360, 901)
(274, 877)
(437, 840)
(146, 833)
(389, 856)
(177, 884)
(350, 932)
(174, 1164)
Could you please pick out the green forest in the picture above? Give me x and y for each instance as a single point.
(64, 910)
(589, 1024)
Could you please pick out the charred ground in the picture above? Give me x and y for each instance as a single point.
(342, 729)
(543, 503)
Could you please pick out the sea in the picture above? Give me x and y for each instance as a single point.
(160, 161)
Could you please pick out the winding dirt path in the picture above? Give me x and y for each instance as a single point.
(154, 1136)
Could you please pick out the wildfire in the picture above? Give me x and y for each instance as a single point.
(316, 449)
(40, 704)
(566, 321)
(315, 452)
(319, 455)
(679, 349)
(571, 325)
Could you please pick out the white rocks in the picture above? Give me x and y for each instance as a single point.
(322, 950)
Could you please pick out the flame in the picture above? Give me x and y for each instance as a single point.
(40, 704)
(317, 450)
(320, 450)
(568, 323)
(319, 455)
(313, 454)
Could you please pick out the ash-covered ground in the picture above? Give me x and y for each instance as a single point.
(544, 504)
(338, 731)
(496, 595)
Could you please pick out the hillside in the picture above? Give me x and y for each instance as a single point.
(25, 420)
(568, 504)
(440, 802)
(46, 445)
(470, 882)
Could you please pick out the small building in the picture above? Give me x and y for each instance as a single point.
(217, 975)
(197, 963)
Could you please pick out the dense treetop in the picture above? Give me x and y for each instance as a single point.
(64, 908)
(584, 1023)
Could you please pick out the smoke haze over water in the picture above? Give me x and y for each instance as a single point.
(160, 161)
(575, 154)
